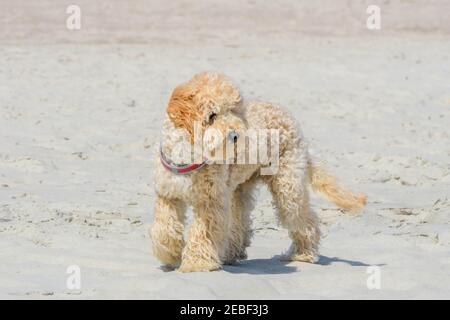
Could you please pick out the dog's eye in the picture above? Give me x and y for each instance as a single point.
(212, 117)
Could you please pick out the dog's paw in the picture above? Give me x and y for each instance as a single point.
(242, 255)
(199, 266)
(303, 257)
(235, 258)
(168, 259)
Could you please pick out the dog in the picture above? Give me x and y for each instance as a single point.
(221, 193)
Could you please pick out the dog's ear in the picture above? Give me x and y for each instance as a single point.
(182, 110)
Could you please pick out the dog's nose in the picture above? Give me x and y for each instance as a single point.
(233, 136)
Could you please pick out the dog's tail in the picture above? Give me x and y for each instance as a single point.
(325, 184)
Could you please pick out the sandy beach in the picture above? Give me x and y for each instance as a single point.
(81, 112)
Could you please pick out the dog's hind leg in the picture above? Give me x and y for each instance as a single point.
(240, 233)
(167, 230)
(289, 187)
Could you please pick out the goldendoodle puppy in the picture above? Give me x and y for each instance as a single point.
(213, 152)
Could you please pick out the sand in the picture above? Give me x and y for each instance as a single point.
(80, 116)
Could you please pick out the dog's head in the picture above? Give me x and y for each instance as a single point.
(207, 107)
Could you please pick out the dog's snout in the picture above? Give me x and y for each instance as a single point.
(233, 136)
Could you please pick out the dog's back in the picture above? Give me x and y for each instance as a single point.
(262, 115)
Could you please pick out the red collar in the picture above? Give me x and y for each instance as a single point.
(180, 169)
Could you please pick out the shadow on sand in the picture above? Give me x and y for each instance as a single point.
(326, 261)
(262, 266)
(276, 266)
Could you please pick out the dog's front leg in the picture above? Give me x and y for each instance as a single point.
(207, 235)
(167, 230)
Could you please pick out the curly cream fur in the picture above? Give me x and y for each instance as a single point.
(221, 195)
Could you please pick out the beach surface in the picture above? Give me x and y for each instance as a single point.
(80, 119)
